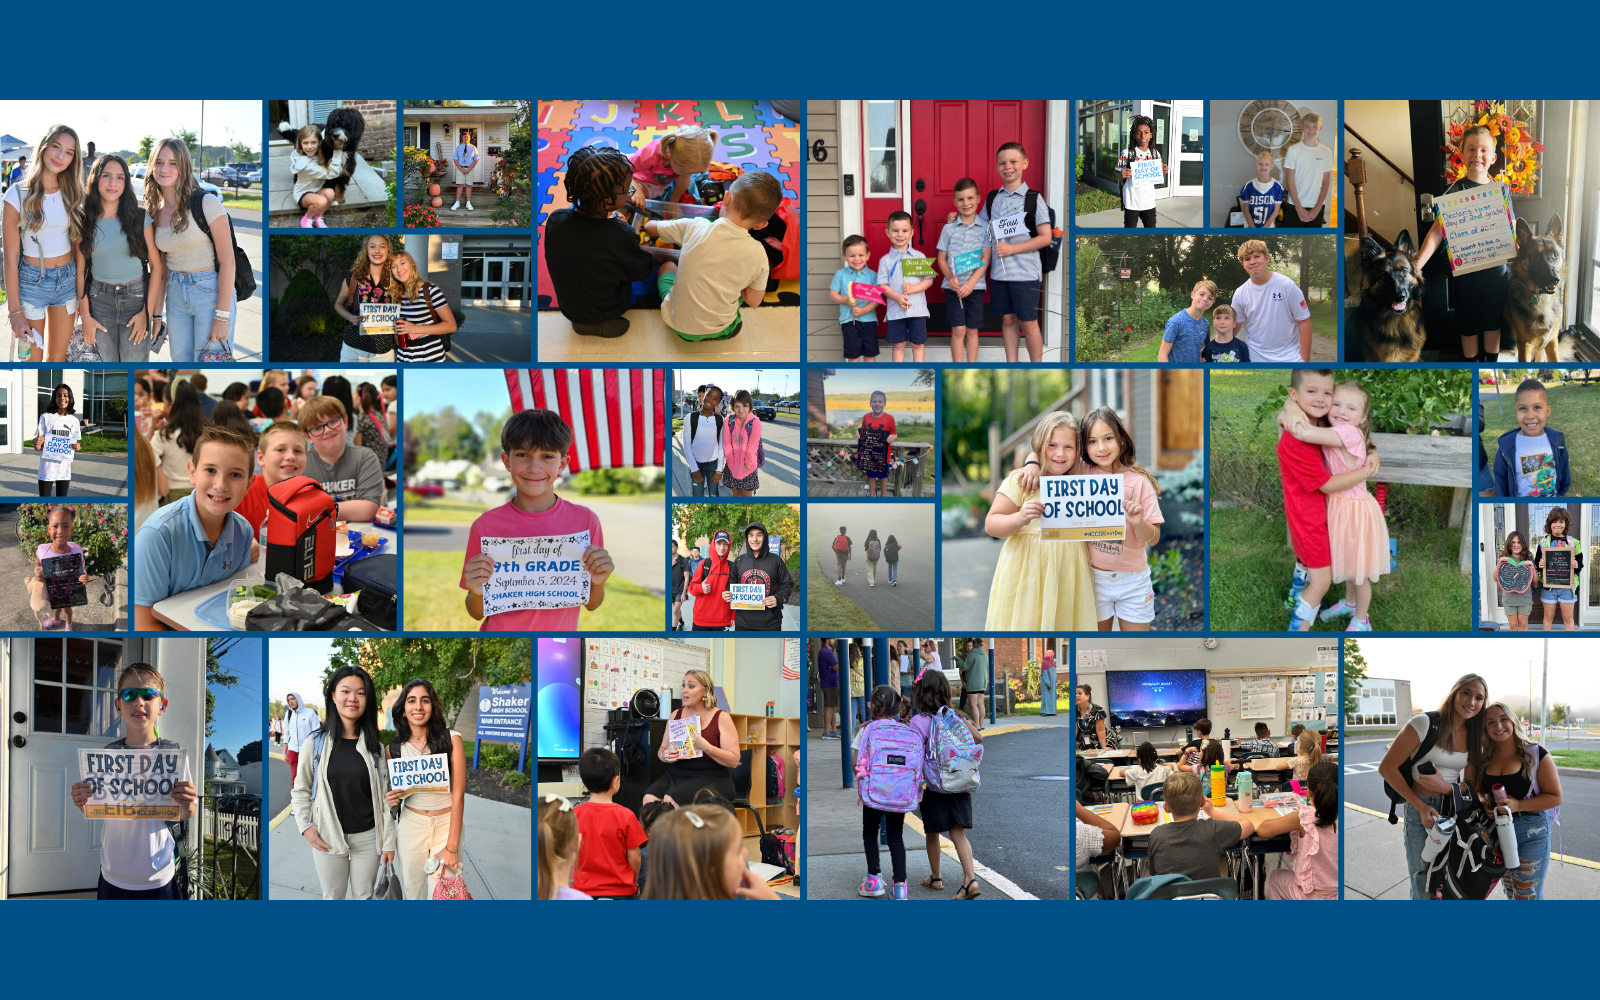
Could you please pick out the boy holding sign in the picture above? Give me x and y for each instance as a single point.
(905, 288)
(533, 448)
(760, 566)
(964, 248)
(1017, 273)
(1480, 296)
(55, 440)
(858, 317)
(137, 855)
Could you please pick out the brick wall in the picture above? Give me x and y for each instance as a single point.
(377, 142)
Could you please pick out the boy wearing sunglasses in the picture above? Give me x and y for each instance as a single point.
(137, 855)
(352, 476)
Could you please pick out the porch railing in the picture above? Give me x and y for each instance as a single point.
(832, 460)
(225, 821)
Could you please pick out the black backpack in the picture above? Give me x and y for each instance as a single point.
(375, 577)
(1407, 769)
(244, 279)
(1050, 256)
(694, 425)
(1470, 864)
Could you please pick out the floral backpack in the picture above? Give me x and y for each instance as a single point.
(888, 766)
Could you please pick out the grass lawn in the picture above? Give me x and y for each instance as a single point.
(1251, 565)
(104, 444)
(828, 610)
(441, 511)
(1092, 199)
(1587, 759)
(434, 603)
(1574, 411)
(1150, 350)
(244, 201)
(228, 884)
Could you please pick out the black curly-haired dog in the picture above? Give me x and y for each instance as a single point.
(342, 131)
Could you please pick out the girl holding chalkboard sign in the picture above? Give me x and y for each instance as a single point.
(1517, 605)
(61, 544)
(1557, 539)
(430, 822)
(1139, 197)
(56, 439)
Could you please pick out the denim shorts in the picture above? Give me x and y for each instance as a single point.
(1558, 595)
(1015, 297)
(966, 312)
(912, 328)
(45, 288)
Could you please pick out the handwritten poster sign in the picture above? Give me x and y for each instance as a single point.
(61, 581)
(1010, 226)
(748, 596)
(377, 318)
(1082, 508)
(872, 451)
(1515, 578)
(541, 573)
(966, 263)
(58, 447)
(1477, 227)
(1146, 171)
(425, 773)
(865, 292)
(1558, 567)
(916, 267)
(1224, 698)
(133, 784)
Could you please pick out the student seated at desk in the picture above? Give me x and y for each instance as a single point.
(1262, 744)
(1189, 756)
(1314, 837)
(1190, 845)
(1307, 756)
(1148, 771)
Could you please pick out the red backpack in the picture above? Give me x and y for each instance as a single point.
(300, 532)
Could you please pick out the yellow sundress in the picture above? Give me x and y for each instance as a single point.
(1039, 584)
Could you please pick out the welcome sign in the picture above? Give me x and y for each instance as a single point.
(132, 784)
(541, 573)
(425, 773)
(1082, 508)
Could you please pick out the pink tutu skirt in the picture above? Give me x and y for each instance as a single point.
(1359, 538)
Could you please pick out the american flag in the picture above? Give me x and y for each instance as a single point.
(618, 416)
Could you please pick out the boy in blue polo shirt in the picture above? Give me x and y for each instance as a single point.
(200, 539)
(963, 298)
(907, 315)
(858, 318)
(1015, 275)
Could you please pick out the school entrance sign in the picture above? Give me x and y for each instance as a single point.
(503, 714)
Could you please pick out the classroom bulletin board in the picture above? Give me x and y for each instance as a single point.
(613, 669)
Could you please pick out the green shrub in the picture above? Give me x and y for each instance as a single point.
(498, 756)
(100, 529)
(308, 318)
(386, 736)
(304, 285)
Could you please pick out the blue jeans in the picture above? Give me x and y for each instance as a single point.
(894, 571)
(707, 486)
(1416, 836)
(858, 710)
(190, 307)
(44, 288)
(1533, 850)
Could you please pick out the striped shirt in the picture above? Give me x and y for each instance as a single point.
(1021, 266)
(416, 311)
(889, 274)
(958, 238)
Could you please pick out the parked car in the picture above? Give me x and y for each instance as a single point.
(249, 171)
(140, 169)
(426, 491)
(765, 411)
(225, 176)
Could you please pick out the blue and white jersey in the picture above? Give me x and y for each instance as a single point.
(1263, 202)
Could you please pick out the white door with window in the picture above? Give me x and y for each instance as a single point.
(495, 281)
(472, 134)
(1188, 149)
(60, 701)
(11, 432)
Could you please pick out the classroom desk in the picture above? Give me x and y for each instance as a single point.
(1125, 754)
(178, 611)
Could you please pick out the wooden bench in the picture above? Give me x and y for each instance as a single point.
(1426, 460)
(831, 468)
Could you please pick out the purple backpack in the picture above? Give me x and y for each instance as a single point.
(889, 766)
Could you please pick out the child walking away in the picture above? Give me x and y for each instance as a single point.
(1261, 196)
(62, 519)
(1517, 606)
(720, 266)
(702, 443)
(880, 421)
(1358, 538)
(963, 299)
(697, 852)
(874, 549)
(891, 558)
(1306, 485)
(310, 171)
(593, 258)
(858, 318)
(888, 769)
(609, 834)
(559, 841)
(1479, 296)
(951, 752)
(1225, 348)
(57, 439)
(1314, 838)
(1139, 197)
(1039, 584)
(1122, 588)
(1566, 598)
(907, 314)
(841, 553)
(1308, 176)
(669, 161)
(1184, 338)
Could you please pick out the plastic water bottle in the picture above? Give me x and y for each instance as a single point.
(1247, 786)
(1227, 734)
(1219, 785)
(1506, 831)
(1438, 836)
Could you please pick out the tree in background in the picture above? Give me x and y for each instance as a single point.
(692, 520)
(250, 753)
(218, 675)
(1355, 671)
(513, 178)
(452, 666)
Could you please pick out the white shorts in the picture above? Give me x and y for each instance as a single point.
(1128, 596)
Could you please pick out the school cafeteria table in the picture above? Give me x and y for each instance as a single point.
(178, 611)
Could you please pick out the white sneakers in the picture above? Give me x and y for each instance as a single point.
(456, 207)
(469, 206)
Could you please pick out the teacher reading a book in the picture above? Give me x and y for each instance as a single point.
(715, 747)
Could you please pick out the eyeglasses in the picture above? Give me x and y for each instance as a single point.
(140, 694)
(326, 430)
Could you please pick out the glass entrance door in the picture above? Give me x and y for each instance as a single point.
(495, 281)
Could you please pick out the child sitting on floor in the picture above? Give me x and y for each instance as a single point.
(594, 259)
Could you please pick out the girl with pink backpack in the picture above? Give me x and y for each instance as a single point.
(888, 769)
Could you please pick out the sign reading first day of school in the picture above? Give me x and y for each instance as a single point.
(1082, 508)
(748, 596)
(966, 263)
(865, 292)
(1010, 226)
(133, 784)
(58, 447)
(377, 318)
(916, 267)
(425, 773)
(541, 573)
(1146, 171)
(1478, 230)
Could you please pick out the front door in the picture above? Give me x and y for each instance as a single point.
(469, 133)
(1530, 521)
(495, 281)
(1189, 149)
(60, 701)
(1178, 421)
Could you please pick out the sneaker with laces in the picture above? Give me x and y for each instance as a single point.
(1343, 609)
(872, 885)
(319, 223)
(305, 221)
(1303, 618)
(1360, 624)
(456, 207)
(469, 206)
(899, 891)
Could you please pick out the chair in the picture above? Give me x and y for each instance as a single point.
(1153, 792)
(1206, 888)
(1088, 884)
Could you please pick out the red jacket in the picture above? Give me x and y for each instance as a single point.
(710, 609)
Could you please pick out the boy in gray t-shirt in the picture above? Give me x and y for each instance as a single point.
(352, 476)
(1190, 845)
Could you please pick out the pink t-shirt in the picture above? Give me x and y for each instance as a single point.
(506, 521)
(649, 165)
(73, 549)
(1130, 555)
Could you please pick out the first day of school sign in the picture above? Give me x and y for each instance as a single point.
(132, 784)
(1082, 508)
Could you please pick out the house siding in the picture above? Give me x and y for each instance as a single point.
(1143, 416)
(823, 234)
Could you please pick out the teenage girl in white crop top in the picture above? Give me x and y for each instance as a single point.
(40, 231)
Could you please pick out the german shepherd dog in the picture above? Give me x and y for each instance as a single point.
(1533, 299)
(1391, 300)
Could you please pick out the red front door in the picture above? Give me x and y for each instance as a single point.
(950, 140)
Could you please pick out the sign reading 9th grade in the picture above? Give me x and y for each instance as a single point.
(1082, 508)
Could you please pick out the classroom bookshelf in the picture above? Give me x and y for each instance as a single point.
(769, 735)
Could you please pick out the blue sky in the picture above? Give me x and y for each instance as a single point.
(863, 378)
(113, 125)
(734, 379)
(297, 665)
(469, 390)
(238, 713)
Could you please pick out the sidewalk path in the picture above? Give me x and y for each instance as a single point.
(1171, 213)
(780, 477)
(93, 474)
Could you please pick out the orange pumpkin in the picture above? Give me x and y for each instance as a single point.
(437, 201)
(433, 189)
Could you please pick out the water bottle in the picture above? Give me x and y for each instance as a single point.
(1227, 733)
(1247, 784)
(1438, 836)
(1188, 734)
(1506, 831)
(1219, 785)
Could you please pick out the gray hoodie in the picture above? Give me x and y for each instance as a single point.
(298, 723)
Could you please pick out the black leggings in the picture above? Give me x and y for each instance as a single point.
(59, 484)
(897, 844)
(1132, 217)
